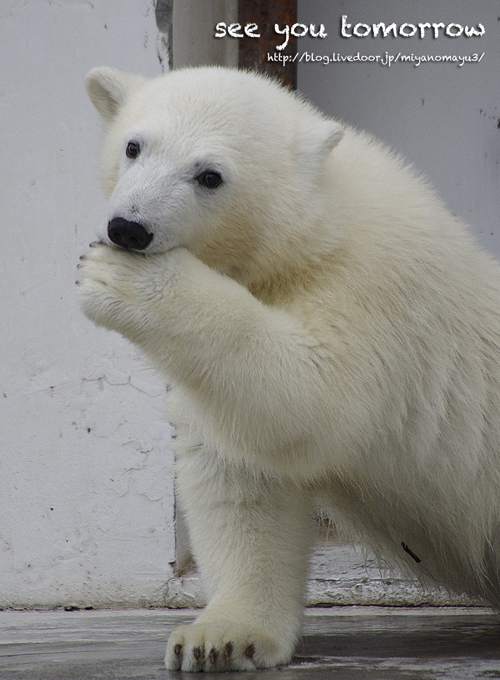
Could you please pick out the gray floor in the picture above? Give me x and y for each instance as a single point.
(348, 643)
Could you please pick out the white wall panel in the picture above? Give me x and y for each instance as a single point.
(86, 507)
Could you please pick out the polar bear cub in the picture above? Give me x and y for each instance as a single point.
(328, 328)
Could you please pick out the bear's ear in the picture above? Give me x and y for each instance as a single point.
(108, 88)
(325, 137)
(334, 133)
(316, 141)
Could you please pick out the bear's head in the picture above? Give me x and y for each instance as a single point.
(225, 163)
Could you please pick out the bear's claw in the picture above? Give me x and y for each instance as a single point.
(246, 649)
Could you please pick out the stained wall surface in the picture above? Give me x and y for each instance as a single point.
(86, 506)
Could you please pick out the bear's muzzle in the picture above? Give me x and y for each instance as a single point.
(128, 235)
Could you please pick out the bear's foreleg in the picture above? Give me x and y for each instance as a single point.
(250, 536)
(260, 382)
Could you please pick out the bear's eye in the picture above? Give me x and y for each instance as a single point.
(133, 149)
(209, 179)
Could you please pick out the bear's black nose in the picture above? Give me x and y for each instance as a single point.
(129, 235)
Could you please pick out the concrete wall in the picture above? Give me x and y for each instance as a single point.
(86, 507)
(442, 117)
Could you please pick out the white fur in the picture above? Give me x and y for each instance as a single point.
(329, 329)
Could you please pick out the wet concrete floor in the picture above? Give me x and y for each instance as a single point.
(342, 643)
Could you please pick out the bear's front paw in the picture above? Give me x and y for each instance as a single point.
(108, 287)
(222, 646)
(121, 290)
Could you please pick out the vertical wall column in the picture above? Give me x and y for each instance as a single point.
(253, 53)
